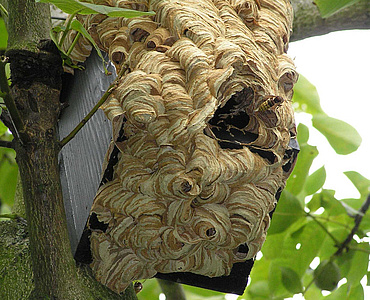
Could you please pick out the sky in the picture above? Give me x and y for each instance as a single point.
(338, 64)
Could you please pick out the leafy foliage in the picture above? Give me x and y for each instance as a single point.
(84, 8)
(343, 138)
(74, 7)
(329, 7)
(3, 35)
(8, 172)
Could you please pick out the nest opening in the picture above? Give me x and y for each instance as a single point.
(228, 123)
(242, 251)
(95, 224)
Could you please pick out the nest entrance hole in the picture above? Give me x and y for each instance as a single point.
(228, 124)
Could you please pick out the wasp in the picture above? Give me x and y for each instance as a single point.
(271, 102)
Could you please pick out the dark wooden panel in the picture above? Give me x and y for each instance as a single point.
(81, 159)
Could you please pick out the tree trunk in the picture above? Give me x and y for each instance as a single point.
(36, 69)
(36, 83)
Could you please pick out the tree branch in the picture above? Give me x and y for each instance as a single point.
(6, 119)
(358, 219)
(308, 21)
(336, 242)
(172, 290)
(10, 105)
(6, 144)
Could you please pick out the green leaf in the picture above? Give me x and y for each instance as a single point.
(342, 137)
(340, 293)
(259, 289)
(327, 275)
(313, 292)
(274, 279)
(310, 238)
(3, 35)
(329, 246)
(356, 292)
(288, 211)
(200, 293)
(8, 179)
(315, 203)
(299, 175)
(361, 183)
(333, 206)
(76, 25)
(59, 28)
(282, 248)
(272, 248)
(315, 181)
(84, 8)
(305, 97)
(151, 289)
(4, 210)
(291, 280)
(303, 134)
(330, 7)
(3, 128)
(359, 263)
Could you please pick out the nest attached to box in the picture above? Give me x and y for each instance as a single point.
(203, 135)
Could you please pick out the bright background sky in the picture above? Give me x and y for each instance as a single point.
(338, 64)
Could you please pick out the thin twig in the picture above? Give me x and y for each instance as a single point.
(58, 18)
(358, 219)
(75, 40)
(10, 104)
(324, 228)
(172, 290)
(3, 11)
(344, 244)
(14, 217)
(7, 120)
(110, 89)
(9, 216)
(354, 248)
(67, 27)
(327, 219)
(6, 144)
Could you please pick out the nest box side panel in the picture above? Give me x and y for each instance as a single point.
(81, 159)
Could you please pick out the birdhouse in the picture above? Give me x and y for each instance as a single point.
(203, 141)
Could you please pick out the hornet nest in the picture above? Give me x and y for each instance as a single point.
(203, 135)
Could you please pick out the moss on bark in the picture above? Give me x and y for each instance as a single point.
(16, 277)
(15, 261)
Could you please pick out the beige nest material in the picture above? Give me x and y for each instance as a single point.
(202, 123)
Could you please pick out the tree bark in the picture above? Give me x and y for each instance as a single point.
(36, 69)
(308, 21)
(36, 83)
